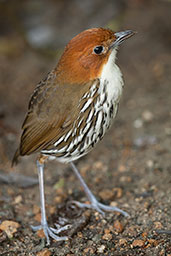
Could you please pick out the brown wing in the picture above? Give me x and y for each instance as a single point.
(52, 109)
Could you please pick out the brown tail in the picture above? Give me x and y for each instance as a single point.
(15, 158)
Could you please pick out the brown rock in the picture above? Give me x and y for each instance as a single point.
(153, 242)
(158, 225)
(117, 192)
(107, 237)
(9, 227)
(44, 252)
(118, 226)
(122, 168)
(58, 199)
(89, 250)
(106, 194)
(144, 234)
(122, 242)
(138, 243)
(125, 179)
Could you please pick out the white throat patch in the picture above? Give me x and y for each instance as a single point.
(112, 76)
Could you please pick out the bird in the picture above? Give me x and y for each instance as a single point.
(72, 108)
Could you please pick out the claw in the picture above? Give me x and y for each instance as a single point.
(94, 204)
(51, 232)
(100, 207)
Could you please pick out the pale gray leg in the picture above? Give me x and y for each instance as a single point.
(48, 231)
(94, 203)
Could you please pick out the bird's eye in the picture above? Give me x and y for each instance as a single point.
(98, 49)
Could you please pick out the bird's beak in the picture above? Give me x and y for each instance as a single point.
(122, 36)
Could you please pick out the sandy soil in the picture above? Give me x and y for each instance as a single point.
(130, 168)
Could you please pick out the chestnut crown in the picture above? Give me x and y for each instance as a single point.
(85, 55)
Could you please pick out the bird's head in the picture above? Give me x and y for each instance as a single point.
(85, 55)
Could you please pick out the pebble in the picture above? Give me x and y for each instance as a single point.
(118, 192)
(118, 226)
(147, 116)
(89, 250)
(153, 242)
(150, 163)
(44, 252)
(106, 194)
(158, 225)
(101, 249)
(18, 199)
(167, 131)
(122, 242)
(58, 199)
(98, 165)
(107, 236)
(122, 168)
(138, 123)
(125, 179)
(138, 243)
(145, 140)
(9, 227)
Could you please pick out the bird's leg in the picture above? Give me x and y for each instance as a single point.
(48, 231)
(94, 203)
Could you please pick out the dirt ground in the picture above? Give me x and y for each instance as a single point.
(130, 168)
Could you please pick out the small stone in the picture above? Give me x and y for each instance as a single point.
(125, 179)
(168, 130)
(158, 225)
(147, 116)
(101, 249)
(9, 227)
(144, 234)
(132, 231)
(18, 199)
(153, 242)
(58, 199)
(80, 235)
(138, 123)
(150, 163)
(122, 242)
(122, 168)
(89, 250)
(138, 243)
(106, 194)
(118, 192)
(107, 237)
(44, 252)
(145, 140)
(113, 203)
(107, 231)
(52, 209)
(98, 165)
(118, 226)
(162, 252)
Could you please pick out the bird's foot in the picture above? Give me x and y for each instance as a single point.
(52, 232)
(99, 207)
